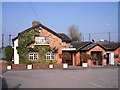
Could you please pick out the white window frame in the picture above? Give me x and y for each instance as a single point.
(63, 43)
(33, 56)
(50, 56)
(41, 39)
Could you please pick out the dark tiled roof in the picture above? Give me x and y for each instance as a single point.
(79, 45)
(42, 26)
(64, 37)
(107, 46)
(110, 46)
(88, 47)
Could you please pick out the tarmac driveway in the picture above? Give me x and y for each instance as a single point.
(103, 77)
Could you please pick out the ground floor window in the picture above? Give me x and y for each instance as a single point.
(33, 56)
(50, 56)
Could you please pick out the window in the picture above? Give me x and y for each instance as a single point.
(33, 56)
(41, 39)
(63, 43)
(50, 56)
(94, 55)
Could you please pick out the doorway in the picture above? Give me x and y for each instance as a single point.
(110, 58)
(108, 54)
(67, 58)
(96, 57)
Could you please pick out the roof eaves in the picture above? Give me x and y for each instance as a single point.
(83, 46)
(15, 38)
(94, 44)
(40, 25)
(102, 46)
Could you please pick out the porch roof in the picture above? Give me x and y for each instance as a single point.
(90, 46)
(79, 45)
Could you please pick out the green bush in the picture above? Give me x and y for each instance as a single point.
(52, 61)
(9, 53)
(116, 56)
(9, 63)
(84, 57)
(29, 62)
(42, 61)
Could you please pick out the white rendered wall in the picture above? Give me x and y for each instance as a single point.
(16, 56)
(111, 58)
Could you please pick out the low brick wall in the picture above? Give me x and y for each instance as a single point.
(40, 66)
(18, 66)
(90, 63)
(35, 66)
(60, 65)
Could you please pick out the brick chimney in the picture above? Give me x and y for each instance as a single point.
(35, 23)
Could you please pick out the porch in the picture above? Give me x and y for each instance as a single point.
(74, 58)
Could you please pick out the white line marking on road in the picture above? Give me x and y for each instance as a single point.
(95, 84)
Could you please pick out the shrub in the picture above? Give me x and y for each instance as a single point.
(29, 62)
(9, 53)
(42, 61)
(66, 57)
(52, 61)
(85, 57)
(116, 56)
(9, 63)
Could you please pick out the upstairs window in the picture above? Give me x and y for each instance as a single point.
(63, 43)
(41, 40)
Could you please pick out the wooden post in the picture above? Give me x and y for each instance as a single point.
(73, 59)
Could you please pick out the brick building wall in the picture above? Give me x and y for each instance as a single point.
(54, 41)
(77, 58)
(96, 48)
(116, 52)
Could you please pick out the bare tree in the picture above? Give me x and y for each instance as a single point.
(74, 33)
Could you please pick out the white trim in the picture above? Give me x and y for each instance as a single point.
(41, 40)
(16, 55)
(41, 44)
(68, 49)
(111, 58)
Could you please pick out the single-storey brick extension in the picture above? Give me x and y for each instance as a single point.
(101, 53)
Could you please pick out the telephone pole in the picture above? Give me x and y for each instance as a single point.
(89, 36)
(9, 39)
(83, 38)
(2, 41)
(109, 36)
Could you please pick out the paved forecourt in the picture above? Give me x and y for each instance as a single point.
(101, 77)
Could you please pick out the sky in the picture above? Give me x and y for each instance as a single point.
(96, 18)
